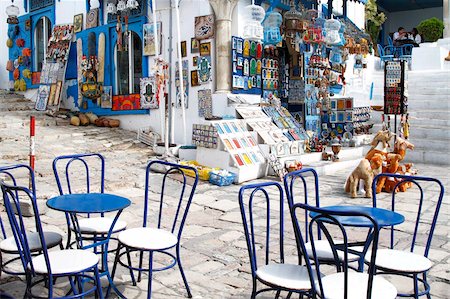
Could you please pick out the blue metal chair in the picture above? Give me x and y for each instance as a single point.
(277, 276)
(64, 167)
(407, 53)
(414, 261)
(8, 245)
(49, 265)
(166, 235)
(390, 41)
(344, 283)
(383, 56)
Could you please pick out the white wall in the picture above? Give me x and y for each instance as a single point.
(411, 18)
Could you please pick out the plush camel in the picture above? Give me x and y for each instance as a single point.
(393, 166)
(366, 171)
(380, 143)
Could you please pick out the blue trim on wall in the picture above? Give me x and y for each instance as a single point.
(28, 35)
(109, 29)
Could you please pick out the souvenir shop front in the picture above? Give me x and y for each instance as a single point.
(155, 70)
(289, 89)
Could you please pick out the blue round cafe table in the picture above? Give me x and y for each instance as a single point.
(92, 203)
(383, 217)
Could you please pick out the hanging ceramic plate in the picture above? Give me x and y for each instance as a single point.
(347, 135)
(325, 133)
(348, 127)
(340, 128)
(334, 133)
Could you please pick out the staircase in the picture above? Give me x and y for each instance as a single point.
(429, 97)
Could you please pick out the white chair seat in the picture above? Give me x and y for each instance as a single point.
(34, 242)
(324, 252)
(99, 225)
(148, 238)
(333, 286)
(403, 261)
(66, 261)
(285, 275)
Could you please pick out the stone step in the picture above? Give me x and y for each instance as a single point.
(430, 114)
(430, 90)
(437, 145)
(436, 123)
(427, 157)
(428, 104)
(422, 132)
(423, 97)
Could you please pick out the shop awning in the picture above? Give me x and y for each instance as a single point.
(402, 5)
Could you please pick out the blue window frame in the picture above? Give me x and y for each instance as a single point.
(38, 4)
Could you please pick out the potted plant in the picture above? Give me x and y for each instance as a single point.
(374, 20)
(431, 29)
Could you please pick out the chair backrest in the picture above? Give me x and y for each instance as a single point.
(289, 182)
(180, 195)
(389, 38)
(256, 205)
(78, 166)
(329, 222)
(15, 175)
(421, 222)
(390, 50)
(407, 49)
(380, 50)
(12, 196)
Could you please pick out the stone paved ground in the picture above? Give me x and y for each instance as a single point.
(213, 246)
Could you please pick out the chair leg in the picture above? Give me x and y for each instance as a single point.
(72, 286)
(116, 260)
(129, 265)
(141, 256)
(416, 287)
(98, 283)
(182, 273)
(69, 237)
(277, 295)
(426, 283)
(253, 295)
(150, 272)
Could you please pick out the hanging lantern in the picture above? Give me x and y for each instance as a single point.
(94, 4)
(332, 27)
(111, 7)
(121, 6)
(253, 29)
(293, 20)
(132, 4)
(12, 11)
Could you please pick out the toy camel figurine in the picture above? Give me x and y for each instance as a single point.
(366, 171)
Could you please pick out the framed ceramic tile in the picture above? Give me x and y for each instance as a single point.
(149, 39)
(77, 23)
(92, 18)
(148, 89)
(204, 27)
(205, 49)
(195, 45)
(340, 116)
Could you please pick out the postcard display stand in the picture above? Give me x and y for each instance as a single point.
(54, 69)
(395, 89)
(235, 149)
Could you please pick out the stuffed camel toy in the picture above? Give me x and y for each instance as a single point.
(378, 160)
(366, 171)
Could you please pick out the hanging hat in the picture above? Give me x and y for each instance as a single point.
(20, 42)
(9, 43)
(26, 73)
(26, 61)
(26, 52)
(22, 85)
(16, 30)
(10, 66)
(16, 74)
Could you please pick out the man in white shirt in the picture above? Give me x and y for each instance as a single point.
(400, 36)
